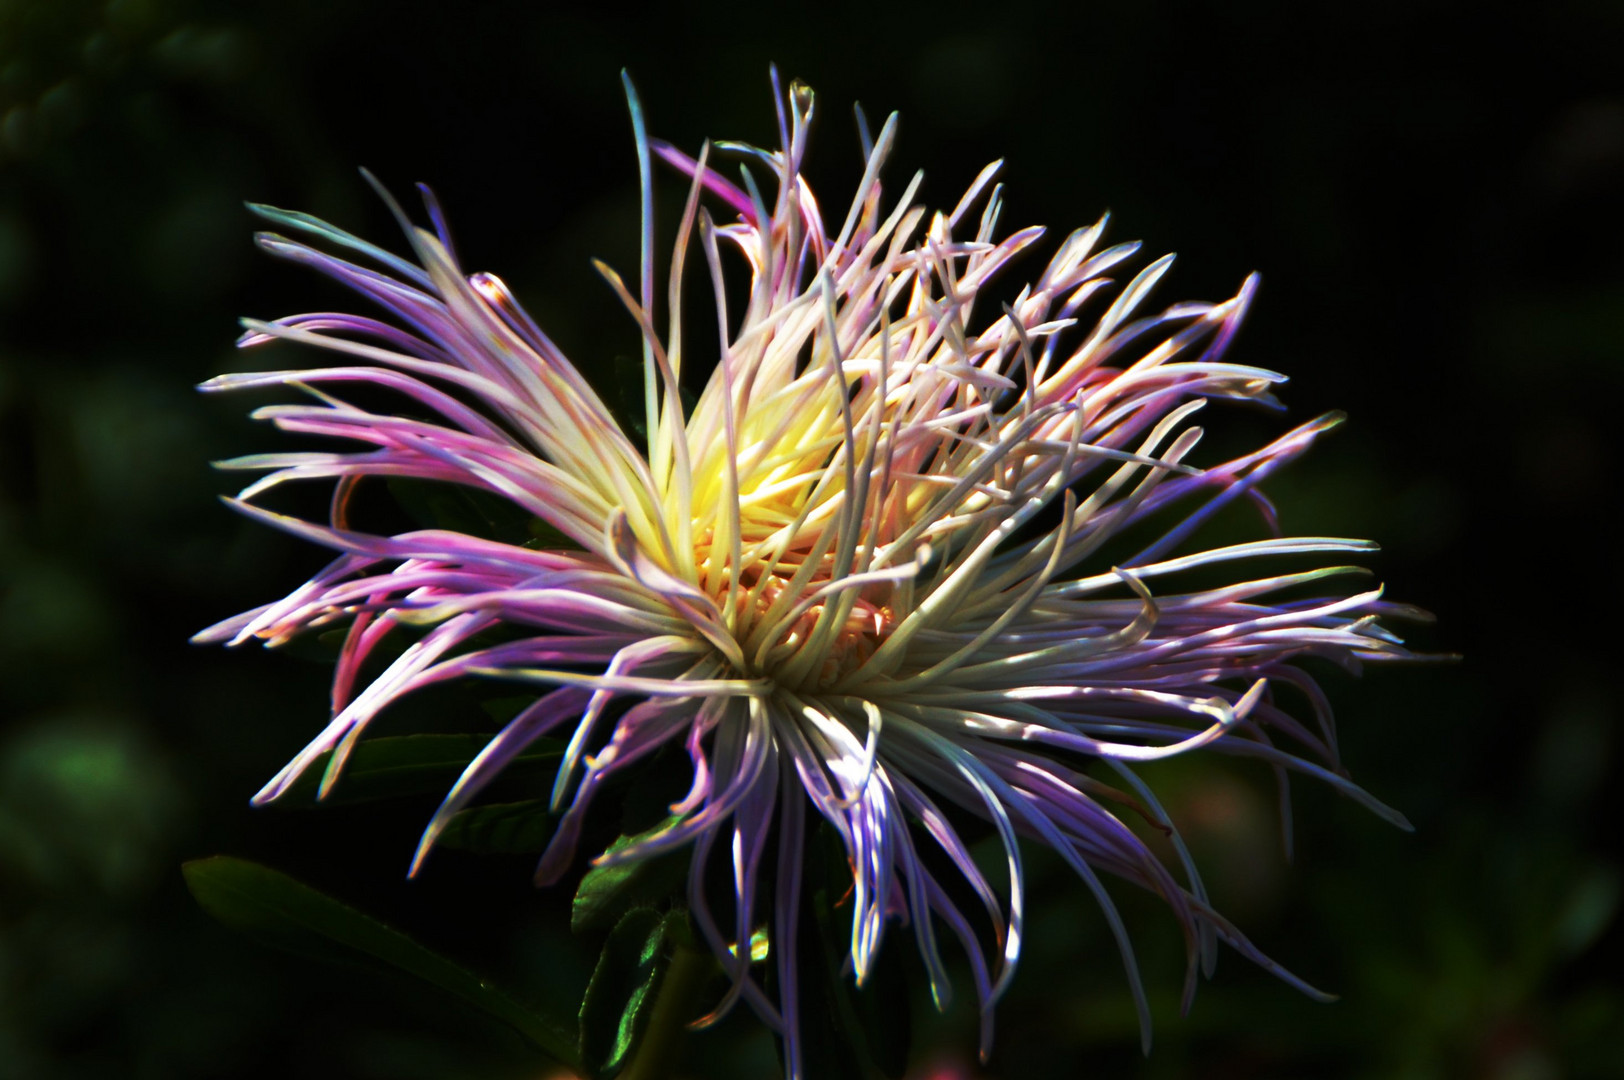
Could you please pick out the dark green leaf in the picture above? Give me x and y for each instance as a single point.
(514, 828)
(882, 1008)
(400, 765)
(608, 892)
(323, 648)
(621, 996)
(503, 709)
(849, 1033)
(278, 910)
(543, 537)
(627, 402)
(437, 505)
(831, 1038)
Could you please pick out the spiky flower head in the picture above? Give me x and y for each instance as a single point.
(877, 570)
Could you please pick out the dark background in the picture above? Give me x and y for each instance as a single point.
(1434, 195)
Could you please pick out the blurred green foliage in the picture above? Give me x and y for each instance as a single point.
(1439, 229)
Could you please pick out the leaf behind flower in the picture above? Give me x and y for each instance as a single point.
(621, 996)
(608, 892)
(513, 828)
(403, 765)
(281, 911)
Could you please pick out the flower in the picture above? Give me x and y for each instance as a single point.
(869, 573)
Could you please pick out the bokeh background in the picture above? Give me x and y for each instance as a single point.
(1435, 197)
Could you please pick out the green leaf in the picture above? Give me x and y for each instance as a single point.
(621, 996)
(544, 537)
(514, 828)
(627, 403)
(281, 911)
(608, 892)
(437, 505)
(831, 1038)
(503, 709)
(847, 1032)
(882, 1008)
(323, 648)
(401, 765)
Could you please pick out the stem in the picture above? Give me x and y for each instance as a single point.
(684, 979)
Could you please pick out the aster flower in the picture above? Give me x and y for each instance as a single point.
(878, 569)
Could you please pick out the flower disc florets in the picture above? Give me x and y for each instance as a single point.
(903, 551)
